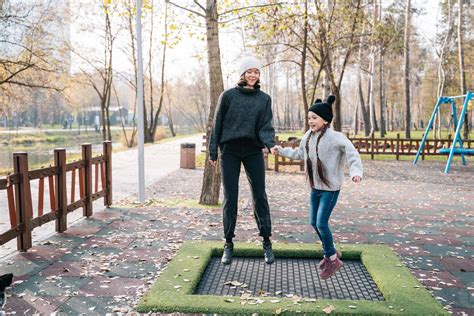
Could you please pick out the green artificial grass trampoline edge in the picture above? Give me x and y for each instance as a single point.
(173, 290)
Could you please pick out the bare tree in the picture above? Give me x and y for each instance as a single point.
(25, 46)
(102, 76)
(406, 55)
(381, 50)
(150, 132)
(441, 69)
(462, 73)
(335, 64)
(212, 177)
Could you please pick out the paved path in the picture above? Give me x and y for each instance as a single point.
(160, 160)
(104, 264)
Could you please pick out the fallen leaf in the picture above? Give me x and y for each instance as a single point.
(329, 309)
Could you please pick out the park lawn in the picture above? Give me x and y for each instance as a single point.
(59, 137)
(173, 290)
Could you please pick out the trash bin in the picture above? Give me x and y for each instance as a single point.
(188, 156)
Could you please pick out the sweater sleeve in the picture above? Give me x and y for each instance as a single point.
(266, 132)
(353, 157)
(295, 154)
(217, 129)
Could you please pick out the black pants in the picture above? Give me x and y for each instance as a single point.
(233, 155)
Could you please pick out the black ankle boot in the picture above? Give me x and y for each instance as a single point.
(227, 255)
(5, 280)
(268, 252)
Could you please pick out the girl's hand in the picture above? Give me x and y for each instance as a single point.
(356, 179)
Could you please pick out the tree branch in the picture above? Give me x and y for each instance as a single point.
(199, 5)
(186, 9)
(251, 7)
(283, 61)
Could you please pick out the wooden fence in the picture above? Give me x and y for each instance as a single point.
(373, 146)
(17, 185)
(382, 146)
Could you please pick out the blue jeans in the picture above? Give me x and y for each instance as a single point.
(320, 207)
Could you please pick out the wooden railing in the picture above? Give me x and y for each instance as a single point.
(382, 146)
(17, 185)
(282, 161)
(374, 146)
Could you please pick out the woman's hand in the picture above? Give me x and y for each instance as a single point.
(274, 150)
(213, 162)
(356, 179)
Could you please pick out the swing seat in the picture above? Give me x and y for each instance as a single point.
(457, 151)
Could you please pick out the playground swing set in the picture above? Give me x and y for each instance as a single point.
(457, 147)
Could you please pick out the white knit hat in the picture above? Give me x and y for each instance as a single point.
(249, 62)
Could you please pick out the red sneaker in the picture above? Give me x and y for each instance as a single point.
(331, 268)
(322, 263)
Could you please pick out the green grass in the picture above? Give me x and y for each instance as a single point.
(286, 135)
(173, 291)
(171, 138)
(54, 137)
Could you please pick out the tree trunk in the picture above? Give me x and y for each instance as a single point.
(102, 119)
(212, 176)
(442, 72)
(462, 72)
(364, 110)
(370, 92)
(360, 93)
(382, 94)
(355, 126)
(170, 116)
(303, 65)
(407, 70)
(162, 85)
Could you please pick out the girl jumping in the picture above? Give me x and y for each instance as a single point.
(324, 151)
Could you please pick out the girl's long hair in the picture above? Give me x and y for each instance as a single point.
(309, 165)
(242, 82)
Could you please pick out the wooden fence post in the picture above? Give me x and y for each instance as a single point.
(87, 158)
(372, 147)
(398, 146)
(61, 192)
(276, 167)
(424, 148)
(107, 147)
(24, 210)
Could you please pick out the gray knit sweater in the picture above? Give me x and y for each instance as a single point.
(333, 149)
(242, 114)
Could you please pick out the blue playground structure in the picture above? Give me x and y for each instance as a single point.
(454, 149)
